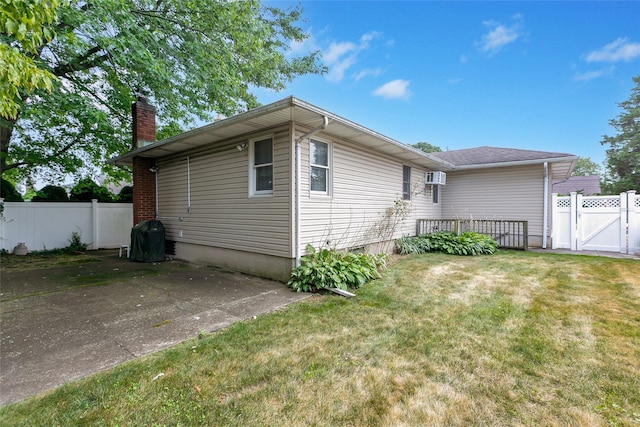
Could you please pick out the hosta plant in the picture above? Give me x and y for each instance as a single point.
(468, 243)
(330, 268)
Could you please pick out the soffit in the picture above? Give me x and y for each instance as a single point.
(288, 110)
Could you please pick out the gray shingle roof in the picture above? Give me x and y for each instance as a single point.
(587, 185)
(493, 155)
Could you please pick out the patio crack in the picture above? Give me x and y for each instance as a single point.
(125, 348)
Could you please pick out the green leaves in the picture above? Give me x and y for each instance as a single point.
(468, 243)
(27, 27)
(623, 154)
(328, 268)
(192, 60)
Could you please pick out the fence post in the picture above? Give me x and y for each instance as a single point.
(573, 235)
(631, 222)
(554, 220)
(95, 243)
(579, 221)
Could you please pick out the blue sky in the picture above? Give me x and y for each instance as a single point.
(533, 75)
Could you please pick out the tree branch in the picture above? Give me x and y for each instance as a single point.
(43, 161)
(82, 63)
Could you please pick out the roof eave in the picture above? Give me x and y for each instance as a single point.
(565, 159)
(415, 155)
(127, 158)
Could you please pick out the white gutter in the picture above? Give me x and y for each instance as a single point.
(298, 172)
(545, 204)
(517, 163)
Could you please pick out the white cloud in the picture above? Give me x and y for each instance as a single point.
(464, 59)
(591, 75)
(366, 38)
(454, 80)
(587, 76)
(620, 49)
(336, 51)
(500, 35)
(395, 89)
(374, 72)
(339, 57)
(305, 46)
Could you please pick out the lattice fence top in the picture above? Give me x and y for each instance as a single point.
(637, 202)
(563, 202)
(601, 202)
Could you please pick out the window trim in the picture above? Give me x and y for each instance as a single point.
(252, 166)
(406, 184)
(328, 167)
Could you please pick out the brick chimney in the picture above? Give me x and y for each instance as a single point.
(144, 122)
(144, 180)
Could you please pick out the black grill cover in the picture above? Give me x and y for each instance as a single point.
(147, 241)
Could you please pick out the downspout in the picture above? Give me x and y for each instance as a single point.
(298, 172)
(188, 185)
(154, 170)
(545, 203)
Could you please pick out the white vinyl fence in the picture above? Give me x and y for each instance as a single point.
(599, 223)
(49, 225)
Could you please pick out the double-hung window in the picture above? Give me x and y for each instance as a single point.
(261, 157)
(319, 166)
(406, 182)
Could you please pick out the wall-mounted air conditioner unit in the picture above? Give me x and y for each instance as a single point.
(435, 178)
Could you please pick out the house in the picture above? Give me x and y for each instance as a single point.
(585, 185)
(250, 192)
(504, 183)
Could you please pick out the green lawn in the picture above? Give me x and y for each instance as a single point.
(510, 339)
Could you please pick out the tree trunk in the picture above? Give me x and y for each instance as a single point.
(6, 130)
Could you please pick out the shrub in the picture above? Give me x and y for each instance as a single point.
(86, 190)
(51, 193)
(8, 192)
(468, 243)
(75, 243)
(126, 194)
(412, 245)
(329, 268)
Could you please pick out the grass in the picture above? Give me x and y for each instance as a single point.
(44, 259)
(510, 339)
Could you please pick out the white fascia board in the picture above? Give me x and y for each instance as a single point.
(572, 159)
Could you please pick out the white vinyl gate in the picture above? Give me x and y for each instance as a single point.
(597, 223)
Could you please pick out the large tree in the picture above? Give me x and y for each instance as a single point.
(427, 147)
(192, 59)
(586, 167)
(623, 154)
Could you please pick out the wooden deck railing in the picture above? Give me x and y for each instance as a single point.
(509, 234)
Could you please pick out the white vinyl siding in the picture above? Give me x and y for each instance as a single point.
(510, 193)
(365, 184)
(222, 214)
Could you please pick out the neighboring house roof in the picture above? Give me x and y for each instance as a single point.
(587, 185)
(490, 157)
(304, 114)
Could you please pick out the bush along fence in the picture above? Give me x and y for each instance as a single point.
(510, 234)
